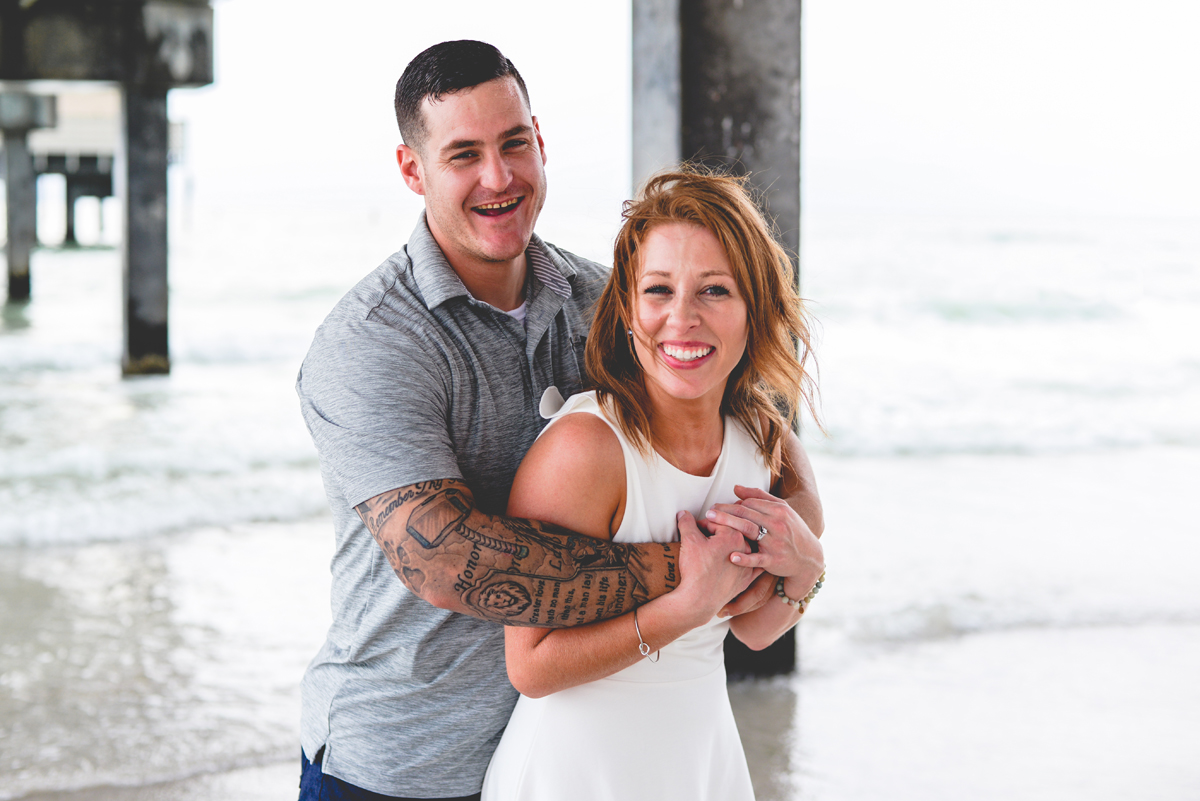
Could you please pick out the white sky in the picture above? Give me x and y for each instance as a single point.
(944, 106)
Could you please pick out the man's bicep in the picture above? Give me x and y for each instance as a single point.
(378, 419)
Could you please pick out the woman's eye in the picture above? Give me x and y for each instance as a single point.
(716, 290)
(657, 289)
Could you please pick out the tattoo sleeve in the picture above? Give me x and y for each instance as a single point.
(513, 571)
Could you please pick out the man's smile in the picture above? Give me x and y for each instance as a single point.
(498, 208)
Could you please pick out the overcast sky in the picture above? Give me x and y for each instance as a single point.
(943, 106)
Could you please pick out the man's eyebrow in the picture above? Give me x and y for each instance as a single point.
(514, 131)
(460, 144)
(464, 144)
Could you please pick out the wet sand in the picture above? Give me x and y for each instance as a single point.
(959, 650)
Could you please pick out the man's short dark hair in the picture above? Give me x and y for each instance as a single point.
(444, 69)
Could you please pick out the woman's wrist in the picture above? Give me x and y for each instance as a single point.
(791, 595)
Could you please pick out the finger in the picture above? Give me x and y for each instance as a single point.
(717, 530)
(767, 506)
(755, 596)
(743, 523)
(687, 526)
(751, 559)
(746, 493)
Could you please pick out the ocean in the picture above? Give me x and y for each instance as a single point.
(1013, 418)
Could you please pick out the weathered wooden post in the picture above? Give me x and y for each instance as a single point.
(19, 113)
(728, 71)
(148, 47)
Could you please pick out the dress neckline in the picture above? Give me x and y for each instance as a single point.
(726, 424)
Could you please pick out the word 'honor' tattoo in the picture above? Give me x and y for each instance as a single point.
(514, 571)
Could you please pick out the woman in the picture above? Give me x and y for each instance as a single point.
(693, 350)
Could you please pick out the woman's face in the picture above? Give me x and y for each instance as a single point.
(689, 321)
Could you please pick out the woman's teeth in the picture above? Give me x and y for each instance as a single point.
(686, 354)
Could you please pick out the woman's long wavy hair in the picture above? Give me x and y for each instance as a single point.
(770, 382)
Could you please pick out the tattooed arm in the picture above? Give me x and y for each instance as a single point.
(581, 450)
(510, 570)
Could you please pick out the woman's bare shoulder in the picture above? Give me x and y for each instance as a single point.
(573, 476)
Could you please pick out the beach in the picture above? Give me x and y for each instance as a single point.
(1009, 370)
(167, 668)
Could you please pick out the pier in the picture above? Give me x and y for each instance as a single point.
(146, 48)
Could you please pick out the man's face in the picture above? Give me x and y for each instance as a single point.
(481, 171)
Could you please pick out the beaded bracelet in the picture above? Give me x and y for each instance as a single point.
(801, 604)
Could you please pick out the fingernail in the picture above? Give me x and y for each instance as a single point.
(737, 558)
(710, 514)
(723, 613)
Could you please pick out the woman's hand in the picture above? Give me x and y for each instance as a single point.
(788, 549)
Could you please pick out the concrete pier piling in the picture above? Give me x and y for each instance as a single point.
(145, 241)
(19, 114)
(718, 82)
(741, 97)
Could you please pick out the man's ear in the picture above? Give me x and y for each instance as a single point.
(410, 168)
(537, 132)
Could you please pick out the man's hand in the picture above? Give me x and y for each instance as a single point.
(710, 579)
(755, 596)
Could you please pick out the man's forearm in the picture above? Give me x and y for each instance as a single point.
(513, 571)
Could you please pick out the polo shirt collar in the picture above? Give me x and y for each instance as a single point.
(438, 282)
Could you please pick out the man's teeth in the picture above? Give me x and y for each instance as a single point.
(686, 354)
(501, 205)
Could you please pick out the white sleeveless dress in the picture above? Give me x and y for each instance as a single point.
(655, 731)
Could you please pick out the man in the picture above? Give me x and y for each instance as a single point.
(421, 392)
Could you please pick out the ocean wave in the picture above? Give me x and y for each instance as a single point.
(128, 504)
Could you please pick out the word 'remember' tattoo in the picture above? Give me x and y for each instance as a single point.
(513, 571)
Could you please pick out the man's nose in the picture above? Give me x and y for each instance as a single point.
(497, 174)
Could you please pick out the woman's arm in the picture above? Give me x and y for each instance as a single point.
(791, 547)
(800, 559)
(574, 476)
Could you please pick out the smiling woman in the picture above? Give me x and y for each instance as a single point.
(690, 325)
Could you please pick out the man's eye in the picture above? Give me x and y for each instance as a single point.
(512, 144)
(463, 156)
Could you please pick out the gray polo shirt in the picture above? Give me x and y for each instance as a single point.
(411, 379)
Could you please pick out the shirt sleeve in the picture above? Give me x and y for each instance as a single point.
(376, 402)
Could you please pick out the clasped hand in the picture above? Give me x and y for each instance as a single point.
(789, 548)
(710, 577)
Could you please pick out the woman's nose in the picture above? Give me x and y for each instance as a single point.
(684, 311)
